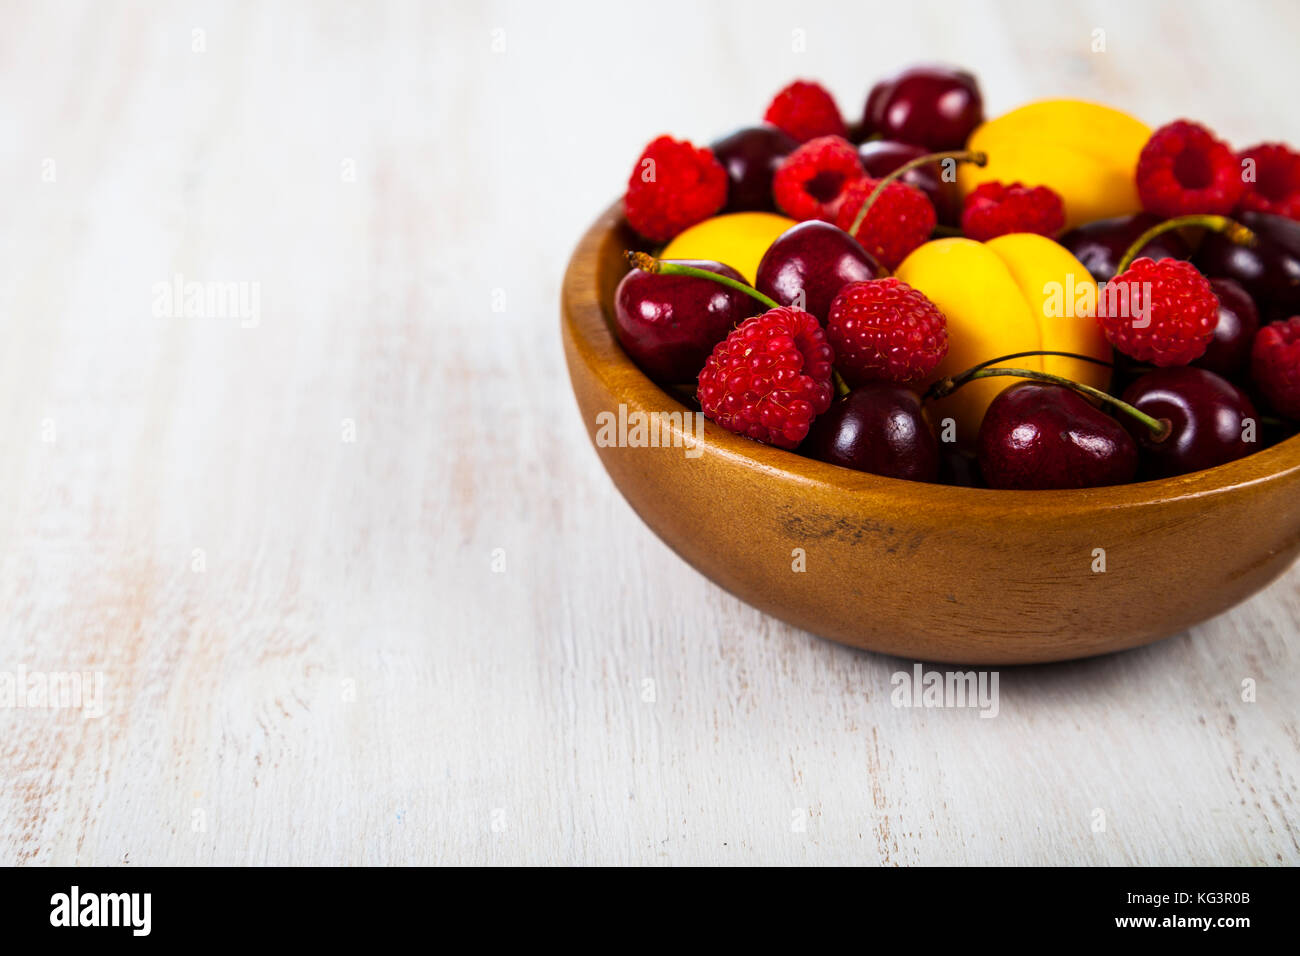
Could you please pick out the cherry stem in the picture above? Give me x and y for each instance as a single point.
(841, 386)
(961, 377)
(1235, 232)
(960, 155)
(946, 386)
(1160, 427)
(648, 263)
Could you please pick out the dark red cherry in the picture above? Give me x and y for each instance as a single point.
(877, 428)
(932, 106)
(1212, 421)
(816, 259)
(1101, 244)
(880, 157)
(1268, 271)
(750, 156)
(1229, 350)
(1039, 435)
(669, 324)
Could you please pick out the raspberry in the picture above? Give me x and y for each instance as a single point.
(810, 182)
(805, 110)
(1276, 188)
(1275, 365)
(674, 185)
(1184, 170)
(769, 378)
(883, 330)
(996, 209)
(1161, 312)
(901, 218)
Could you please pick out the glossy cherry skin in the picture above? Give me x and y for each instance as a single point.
(1101, 244)
(1268, 271)
(932, 106)
(750, 156)
(878, 428)
(1229, 350)
(1208, 415)
(669, 324)
(880, 157)
(1037, 435)
(818, 259)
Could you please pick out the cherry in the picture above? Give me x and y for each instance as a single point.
(1269, 271)
(1039, 435)
(1211, 420)
(750, 156)
(880, 157)
(932, 106)
(816, 260)
(1229, 350)
(877, 428)
(1101, 244)
(669, 324)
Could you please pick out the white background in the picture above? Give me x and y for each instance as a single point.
(344, 678)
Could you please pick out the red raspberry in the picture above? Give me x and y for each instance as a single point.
(883, 330)
(996, 209)
(805, 110)
(1275, 365)
(901, 218)
(1161, 312)
(810, 182)
(1183, 170)
(769, 378)
(674, 185)
(1276, 188)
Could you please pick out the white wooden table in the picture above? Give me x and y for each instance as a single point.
(354, 582)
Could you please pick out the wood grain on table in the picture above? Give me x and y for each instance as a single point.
(356, 585)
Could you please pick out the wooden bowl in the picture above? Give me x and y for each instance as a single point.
(921, 570)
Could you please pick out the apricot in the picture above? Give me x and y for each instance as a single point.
(1087, 152)
(737, 239)
(1011, 294)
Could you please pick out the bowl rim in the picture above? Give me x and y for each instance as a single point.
(588, 328)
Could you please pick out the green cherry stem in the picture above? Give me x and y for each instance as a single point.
(943, 387)
(960, 155)
(841, 386)
(1235, 232)
(1160, 427)
(648, 263)
(960, 377)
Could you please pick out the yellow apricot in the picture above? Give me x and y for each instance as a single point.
(737, 239)
(1013, 294)
(1063, 297)
(1087, 152)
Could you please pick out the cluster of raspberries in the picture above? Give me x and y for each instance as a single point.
(1185, 170)
(675, 184)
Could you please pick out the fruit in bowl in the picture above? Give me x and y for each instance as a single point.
(669, 324)
(988, 456)
(1087, 153)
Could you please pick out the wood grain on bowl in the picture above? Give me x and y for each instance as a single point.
(920, 570)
